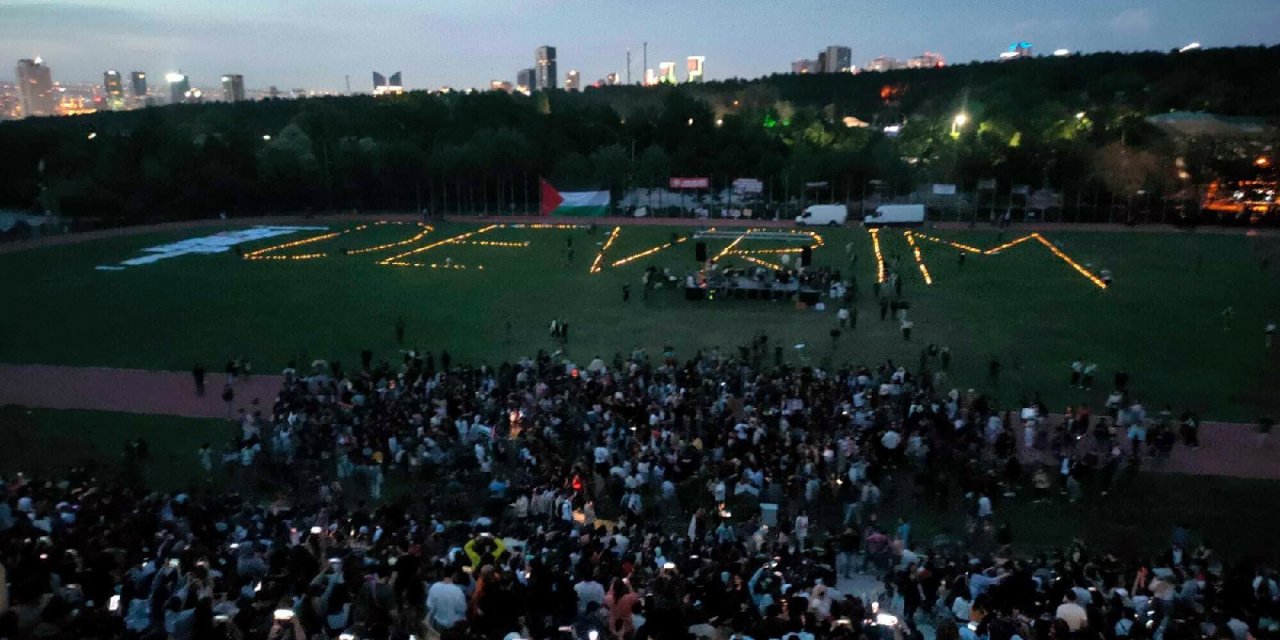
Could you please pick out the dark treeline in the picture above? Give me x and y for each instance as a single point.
(1061, 123)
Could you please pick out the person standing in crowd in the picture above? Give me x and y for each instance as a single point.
(198, 373)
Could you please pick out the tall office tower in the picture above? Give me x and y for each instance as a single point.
(667, 73)
(113, 86)
(383, 85)
(35, 89)
(233, 87)
(572, 80)
(838, 59)
(527, 81)
(545, 58)
(138, 82)
(179, 85)
(696, 67)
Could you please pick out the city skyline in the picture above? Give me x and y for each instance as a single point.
(294, 45)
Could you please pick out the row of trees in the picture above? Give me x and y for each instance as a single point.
(1057, 122)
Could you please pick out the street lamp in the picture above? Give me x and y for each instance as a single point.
(958, 123)
(266, 137)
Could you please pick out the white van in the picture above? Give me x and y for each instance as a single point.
(828, 214)
(895, 214)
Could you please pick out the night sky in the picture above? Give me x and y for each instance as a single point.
(461, 43)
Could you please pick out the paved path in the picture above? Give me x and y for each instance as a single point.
(128, 390)
(1229, 449)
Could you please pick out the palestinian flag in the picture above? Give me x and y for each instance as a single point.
(573, 203)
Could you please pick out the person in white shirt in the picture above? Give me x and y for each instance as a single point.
(446, 604)
(1073, 614)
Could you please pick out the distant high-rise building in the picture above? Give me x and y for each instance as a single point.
(383, 85)
(804, 65)
(928, 60)
(233, 87)
(138, 81)
(611, 79)
(273, 92)
(837, 59)
(113, 86)
(545, 58)
(572, 80)
(650, 77)
(500, 85)
(526, 81)
(883, 63)
(667, 73)
(35, 89)
(179, 86)
(695, 66)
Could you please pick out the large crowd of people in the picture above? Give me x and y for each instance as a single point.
(634, 497)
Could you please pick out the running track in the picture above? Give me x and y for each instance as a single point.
(1229, 449)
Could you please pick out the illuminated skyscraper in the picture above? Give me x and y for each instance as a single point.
(233, 87)
(387, 86)
(837, 59)
(546, 66)
(179, 85)
(138, 82)
(667, 73)
(695, 66)
(113, 86)
(572, 80)
(35, 89)
(526, 81)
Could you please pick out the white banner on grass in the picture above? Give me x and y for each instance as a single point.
(216, 243)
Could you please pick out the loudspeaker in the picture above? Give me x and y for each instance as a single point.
(700, 251)
(806, 257)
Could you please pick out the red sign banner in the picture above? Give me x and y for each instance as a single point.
(690, 183)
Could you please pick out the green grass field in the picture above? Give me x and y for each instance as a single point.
(1162, 319)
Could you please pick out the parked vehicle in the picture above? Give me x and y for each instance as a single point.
(820, 214)
(895, 214)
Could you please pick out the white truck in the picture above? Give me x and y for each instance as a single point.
(895, 214)
(820, 214)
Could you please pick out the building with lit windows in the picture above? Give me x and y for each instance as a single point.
(837, 59)
(113, 87)
(545, 63)
(695, 66)
(383, 86)
(233, 87)
(611, 79)
(804, 66)
(667, 73)
(138, 83)
(501, 85)
(36, 96)
(572, 81)
(179, 85)
(928, 60)
(526, 81)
